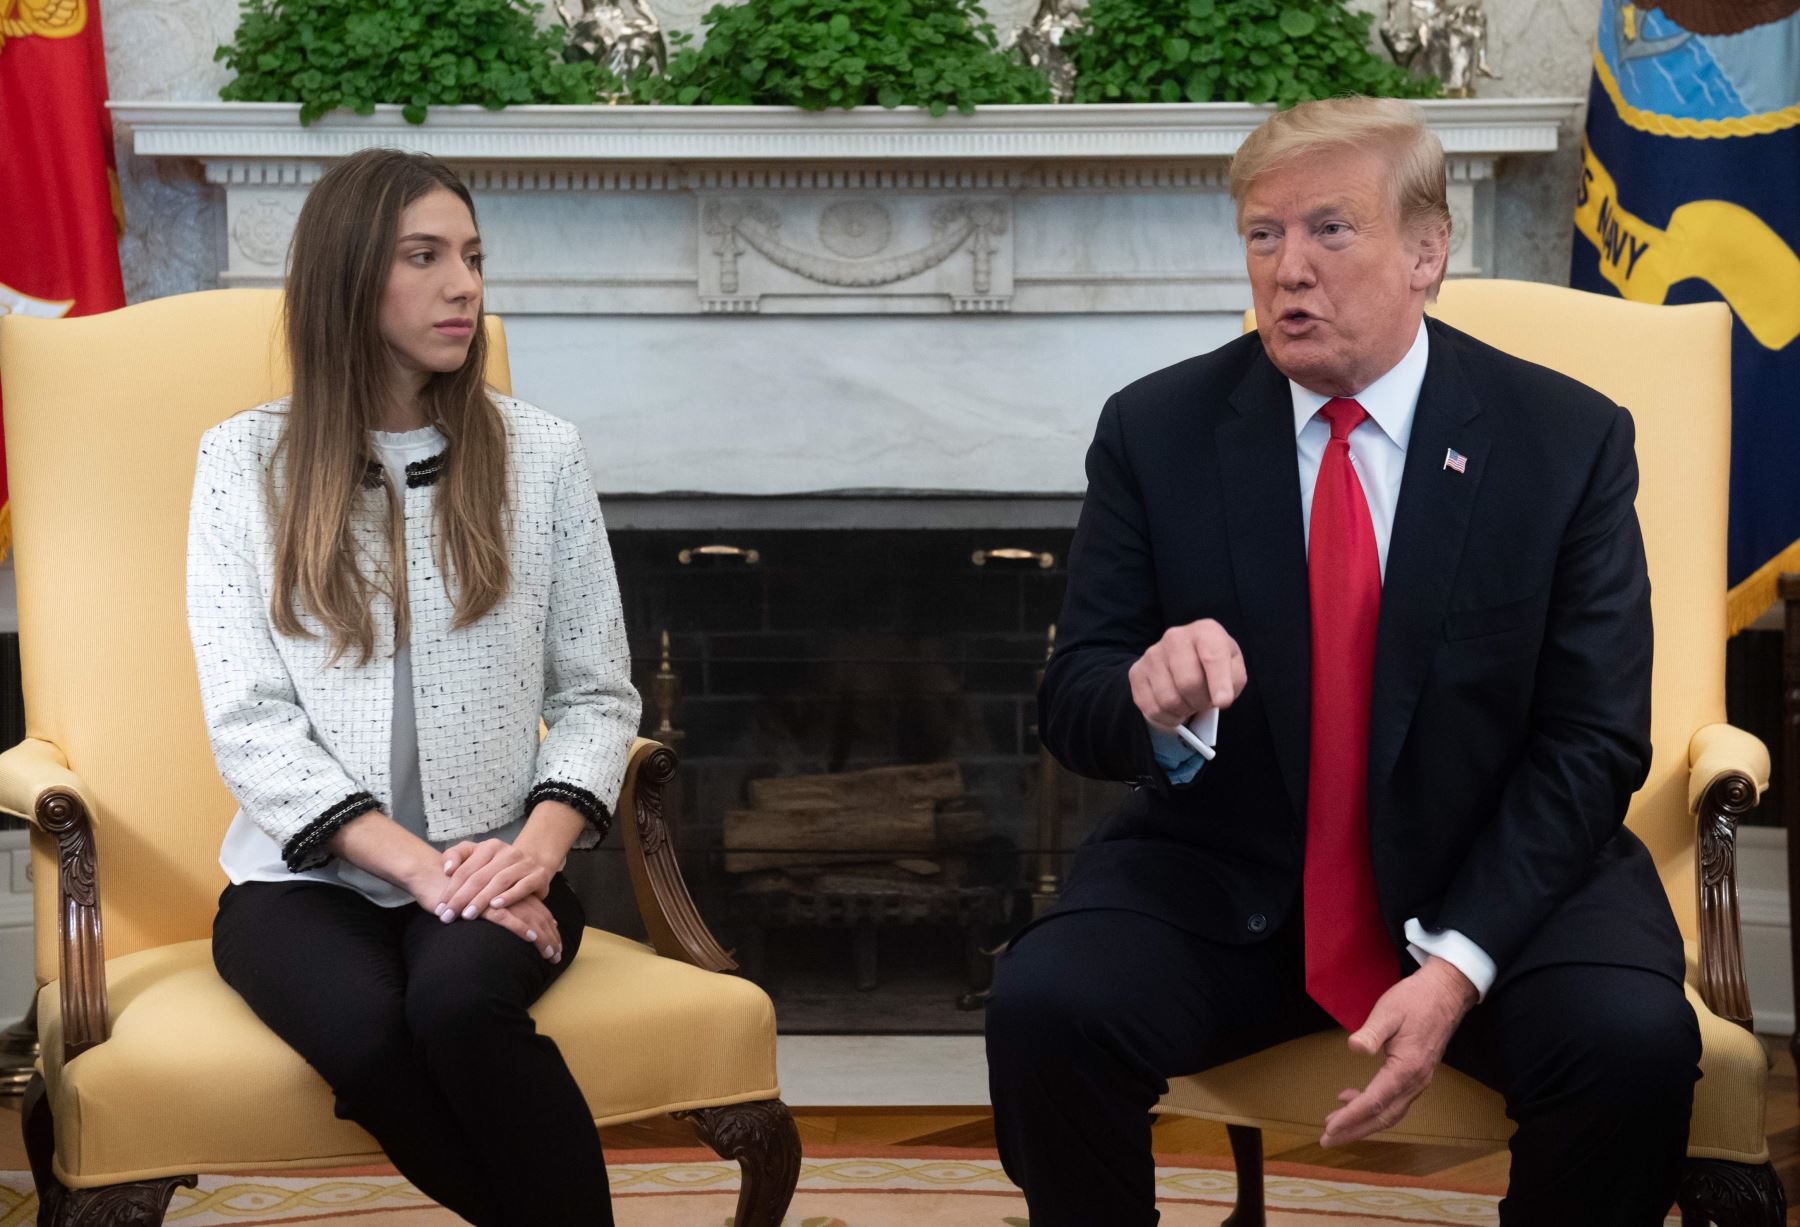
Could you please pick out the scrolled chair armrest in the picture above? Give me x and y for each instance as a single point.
(670, 918)
(1728, 770)
(37, 785)
(1718, 750)
(28, 771)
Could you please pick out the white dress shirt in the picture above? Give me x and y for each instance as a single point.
(1378, 455)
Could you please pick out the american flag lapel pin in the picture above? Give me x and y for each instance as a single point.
(1454, 459)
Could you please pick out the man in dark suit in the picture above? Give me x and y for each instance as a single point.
(1397, 576)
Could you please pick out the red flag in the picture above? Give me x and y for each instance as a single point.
(60, 217)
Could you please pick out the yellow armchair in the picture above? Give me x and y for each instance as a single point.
(1671, 367)
(153, 1070)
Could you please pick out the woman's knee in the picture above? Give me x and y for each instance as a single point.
(368, 1067)
(447, 1019)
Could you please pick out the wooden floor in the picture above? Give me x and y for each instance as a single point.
(948, 1127)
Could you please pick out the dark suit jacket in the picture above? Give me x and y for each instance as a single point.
(1512, 675)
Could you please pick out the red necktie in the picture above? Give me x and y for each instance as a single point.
(1350, 960)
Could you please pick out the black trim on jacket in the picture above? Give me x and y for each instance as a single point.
(425, 472)
(307, 849)
(419, 473)
(586, 803)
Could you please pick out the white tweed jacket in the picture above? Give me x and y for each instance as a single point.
(303, 744)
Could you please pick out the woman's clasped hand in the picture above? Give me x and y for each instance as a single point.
(500, 882)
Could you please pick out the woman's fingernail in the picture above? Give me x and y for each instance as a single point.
(446, 915)
(469, 912)
(449, 866)
(438, 910)
(531, 935)
(499, 903)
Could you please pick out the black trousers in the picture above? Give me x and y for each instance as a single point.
(420, 1028)
(1093, 1012)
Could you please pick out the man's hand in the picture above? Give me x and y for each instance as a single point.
(1190, 669)
(1413, 1021)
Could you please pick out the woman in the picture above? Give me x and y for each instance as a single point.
(392, 575)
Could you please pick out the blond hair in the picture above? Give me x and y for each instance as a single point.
(343, 252)
(1394, 129)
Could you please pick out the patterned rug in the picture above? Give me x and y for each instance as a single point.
(839, 1187)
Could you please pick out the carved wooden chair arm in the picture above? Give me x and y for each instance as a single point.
(670, 918)
(1728, 769)
(37, 785)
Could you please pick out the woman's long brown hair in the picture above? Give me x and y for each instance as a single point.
(342, 255)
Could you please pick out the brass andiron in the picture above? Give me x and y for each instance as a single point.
(1046, 884)
(665, 697)
(1046, 889)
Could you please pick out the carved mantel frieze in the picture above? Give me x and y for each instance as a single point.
(793, 248)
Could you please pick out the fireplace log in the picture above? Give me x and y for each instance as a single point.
(758, 839)
(802, 858)
(880, 787)
(824, 834)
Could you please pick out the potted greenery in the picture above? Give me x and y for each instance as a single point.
(818, 54)
(1280, 51)
(937, 55)
(326, 54)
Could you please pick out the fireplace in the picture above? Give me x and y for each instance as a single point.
(878, 685)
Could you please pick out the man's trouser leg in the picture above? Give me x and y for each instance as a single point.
(1598, 1065)
(1092, 1013)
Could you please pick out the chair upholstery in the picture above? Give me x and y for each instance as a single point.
(103, 420)
(1671, 367)
(128, 1109)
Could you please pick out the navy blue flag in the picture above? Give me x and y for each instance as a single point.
(1690, 192)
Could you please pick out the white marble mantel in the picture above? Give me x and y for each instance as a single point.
(957, 294)
(678, 134)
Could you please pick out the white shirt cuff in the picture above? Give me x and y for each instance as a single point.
(1455, 949)
(1178, 761)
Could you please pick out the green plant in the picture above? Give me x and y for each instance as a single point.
(1281, 51)
(816, 54)
(326, 54)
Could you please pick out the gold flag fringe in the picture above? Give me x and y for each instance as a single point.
(1747, 602)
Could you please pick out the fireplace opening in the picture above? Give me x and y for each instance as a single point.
(862, 810)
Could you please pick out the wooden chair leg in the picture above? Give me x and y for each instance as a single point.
(761, 1137)
(1719, 1193)
(141, 1204)
(1247, 1155)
